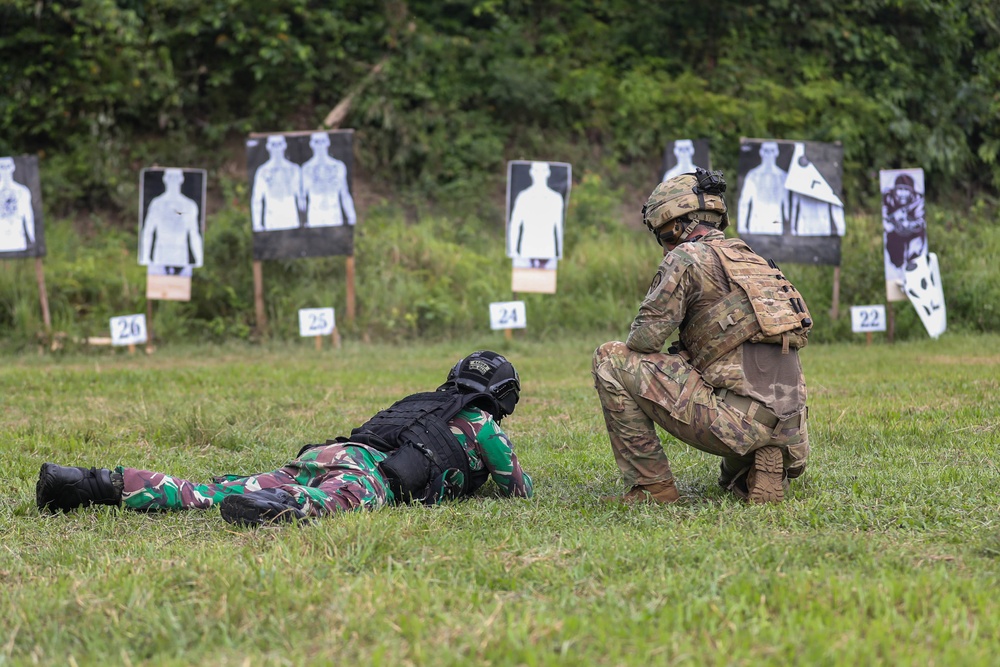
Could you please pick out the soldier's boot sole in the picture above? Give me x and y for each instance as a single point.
(66, 488)
(765, 481)
(236, 510)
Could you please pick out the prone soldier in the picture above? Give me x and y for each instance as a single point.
(427, 447)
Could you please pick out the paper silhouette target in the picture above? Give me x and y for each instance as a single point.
(904, 228)
(683, 156)
(301, 204)
(21, 233)
(537, 196)
(922, 285)
(789, 206)
(172, 218)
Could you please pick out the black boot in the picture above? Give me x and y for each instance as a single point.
(62, 488)
(258, 507)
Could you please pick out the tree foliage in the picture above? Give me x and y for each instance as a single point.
(468, 83)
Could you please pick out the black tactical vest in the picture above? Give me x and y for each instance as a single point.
(415, 433)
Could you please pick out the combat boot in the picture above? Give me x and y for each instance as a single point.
(658, 492)
(259, 507)
(766, 478)
(63, 488)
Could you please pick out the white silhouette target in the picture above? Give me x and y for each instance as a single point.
(537, 195)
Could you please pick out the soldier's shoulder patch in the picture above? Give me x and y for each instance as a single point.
(657, 279)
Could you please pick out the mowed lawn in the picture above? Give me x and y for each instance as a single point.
(887, 551)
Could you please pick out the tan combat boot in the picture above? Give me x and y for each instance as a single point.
(766, 479)
(657, 492)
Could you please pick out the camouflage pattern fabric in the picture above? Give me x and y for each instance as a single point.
(337, 477)
(639, 390)
(676, 197)
(640, 385)
(324, 480)
(489, 449)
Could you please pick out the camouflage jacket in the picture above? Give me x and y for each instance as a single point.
(690, 279)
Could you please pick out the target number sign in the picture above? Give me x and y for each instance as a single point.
(507, 315)
(867, 318)
(316, 322)
(128, 330)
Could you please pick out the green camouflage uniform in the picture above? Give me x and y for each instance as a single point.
(336, 477)
(640, 385)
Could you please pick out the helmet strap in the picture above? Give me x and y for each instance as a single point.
(687, 230)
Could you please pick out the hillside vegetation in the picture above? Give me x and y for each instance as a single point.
(442, 94)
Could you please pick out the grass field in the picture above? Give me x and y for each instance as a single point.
(887, 551)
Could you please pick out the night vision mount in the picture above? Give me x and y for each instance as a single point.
(709, 182)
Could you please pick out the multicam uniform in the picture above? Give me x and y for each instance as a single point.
(751, 396)
(335, 477)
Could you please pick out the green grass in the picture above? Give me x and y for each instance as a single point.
(887, 551)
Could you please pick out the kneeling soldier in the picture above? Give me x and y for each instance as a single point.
(733, 385)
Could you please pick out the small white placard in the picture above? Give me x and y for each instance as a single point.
(316, 322)
(128, 330)
(507, 315)
(867, 318)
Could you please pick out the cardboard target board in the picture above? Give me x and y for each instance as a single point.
(922, 284)
(172, 217)
(301, 201)
(789, 205)
(21, 231)
(171, 229)
(904, 227)
(537, 197)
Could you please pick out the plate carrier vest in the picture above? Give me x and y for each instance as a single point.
(415, 432)
(763, 307)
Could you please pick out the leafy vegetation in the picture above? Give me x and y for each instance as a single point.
(886, 551)
(466, 84)
(443, 95)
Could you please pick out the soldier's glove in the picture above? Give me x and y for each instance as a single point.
(677, 348)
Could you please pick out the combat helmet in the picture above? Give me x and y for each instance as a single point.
(488, 373)
(678, 204)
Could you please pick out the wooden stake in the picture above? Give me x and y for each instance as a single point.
(890, 322)
(835, 310)
(43, 296)
(319, 342)
(868, 337)
(508, 334)
(258, 297)
(149, 326)
(131, 348)
(350, 288)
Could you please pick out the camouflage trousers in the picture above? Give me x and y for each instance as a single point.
(323, 480)
(640, 390)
